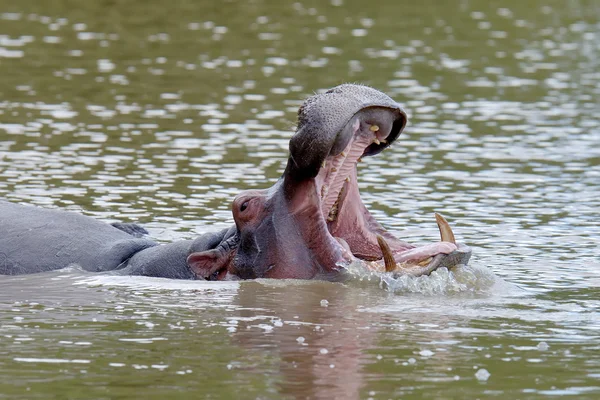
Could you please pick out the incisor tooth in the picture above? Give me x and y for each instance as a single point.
(388, 259)
(445, 231)
(343, 154)
(376, 141)
(374, 128)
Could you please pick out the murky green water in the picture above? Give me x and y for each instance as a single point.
(162, 112)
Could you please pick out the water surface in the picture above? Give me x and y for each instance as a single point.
(139, 111)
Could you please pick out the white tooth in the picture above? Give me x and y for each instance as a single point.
(324, 190)
(376, 141)
(323, 164)
(388, 258)
(374, 128)
(343, 154)
(347, 179)
(446, 233)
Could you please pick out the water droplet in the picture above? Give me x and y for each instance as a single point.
(426, 353)
(543, 346)
(482, 375)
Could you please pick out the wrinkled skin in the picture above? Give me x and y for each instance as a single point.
(312, 222)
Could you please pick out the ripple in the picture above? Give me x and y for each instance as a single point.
(163, 118)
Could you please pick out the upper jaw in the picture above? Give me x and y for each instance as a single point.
(326, 122)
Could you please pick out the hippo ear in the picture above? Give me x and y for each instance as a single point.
(206, 263)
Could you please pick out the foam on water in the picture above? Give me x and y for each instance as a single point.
(151, 283)
(461, 279)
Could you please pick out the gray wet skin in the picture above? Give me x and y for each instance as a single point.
(307, 225)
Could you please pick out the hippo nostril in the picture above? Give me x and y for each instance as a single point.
(244, 206)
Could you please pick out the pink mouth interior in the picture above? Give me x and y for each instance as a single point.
(347, 217)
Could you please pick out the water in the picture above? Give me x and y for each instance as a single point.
(133, 111)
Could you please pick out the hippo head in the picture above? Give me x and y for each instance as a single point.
(312, 222)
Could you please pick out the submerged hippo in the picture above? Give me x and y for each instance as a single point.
(309, 224)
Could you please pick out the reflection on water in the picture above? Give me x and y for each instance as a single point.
(131, 111)
(303, 339)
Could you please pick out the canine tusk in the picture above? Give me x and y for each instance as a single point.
(445, 231)
(388, 259)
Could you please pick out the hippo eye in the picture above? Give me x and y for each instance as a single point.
(244, 206)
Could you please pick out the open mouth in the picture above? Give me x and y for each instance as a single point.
(349, 221)
(312, 221)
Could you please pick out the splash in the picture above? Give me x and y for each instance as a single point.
(461, 279)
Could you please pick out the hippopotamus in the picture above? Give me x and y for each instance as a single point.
(311, 224)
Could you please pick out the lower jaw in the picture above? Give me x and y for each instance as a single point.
(460, 256)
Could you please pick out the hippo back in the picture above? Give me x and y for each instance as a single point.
(34, 239)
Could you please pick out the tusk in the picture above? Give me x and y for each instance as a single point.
(445, 231)
(388, 259)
